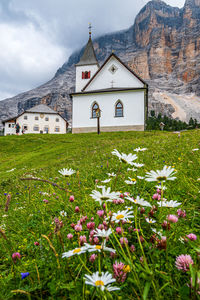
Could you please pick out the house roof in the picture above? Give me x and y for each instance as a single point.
(115, 56)
(42, 109)
(89, 56)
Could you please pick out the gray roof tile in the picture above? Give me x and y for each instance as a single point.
(89, 56)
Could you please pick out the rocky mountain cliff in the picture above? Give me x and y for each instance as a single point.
(163, 47)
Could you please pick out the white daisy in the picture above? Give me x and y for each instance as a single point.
(138, 165)
(106, 180)
(63, 213)
(123, 215)
(133, 169)
(111, 174)
(124, 157)
(75, 251)
(150, 221)
(140, 177)
(159, 187)
(102, 233)
(140, 149)
(101, 281)
(99, 248)
(66, 172)
(130, 181)
(105, 195)
(170, 203)
(161, 175)
(157, 232)
(196, 149)
(139, 201)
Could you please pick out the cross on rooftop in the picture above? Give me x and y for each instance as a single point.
(90, 30)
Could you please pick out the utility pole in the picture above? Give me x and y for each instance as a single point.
(98, 115)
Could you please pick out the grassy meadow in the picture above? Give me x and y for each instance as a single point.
(44, 215)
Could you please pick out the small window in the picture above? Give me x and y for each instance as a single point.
(57, 119)
(36, 128)
(25, 117)
(25, 127)
(94, 108)
(57, 129)
(9, 125)
(13, 125)
(36, 118)
(86, 75)
(46, 129)
(47, 119)
(119, 109)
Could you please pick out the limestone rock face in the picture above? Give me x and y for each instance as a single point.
(162, 46)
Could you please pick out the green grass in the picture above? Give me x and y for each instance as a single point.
(90, 155)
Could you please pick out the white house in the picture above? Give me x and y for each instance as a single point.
(119, 93)
(38, 119)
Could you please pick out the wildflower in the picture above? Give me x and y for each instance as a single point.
(77, 209)
(92, 258)
(69, 236)
(78, 227)
(63, 213)
(100, 281)
(150, 221)
(128, 159)
(196, 149)
(100, 213)
(45, 201)
(106, 180)
(71, 198)
(132, 248)
(119, 273)
(183, 262)
(170, 203)
(192, 237)
(123, 215)
(165, 225)
(96, 240)
(36, 243)
(172, 218)
(123, 241)
(24, 275)
(75, 251)
(138, 165)
(140, 149)
(161, 175)
(139, 201)
(159, 188)
(131, 181)
(66, 172)
(15, 256)
(181, 213)
(119, 230)
(99, 248)
(111, 174)
(102, 233)
(82, 239)
(90, 225)
(162, 244)
(105, 195)
(156, 196)
(133, 169)
(101, 226)
(140, 177)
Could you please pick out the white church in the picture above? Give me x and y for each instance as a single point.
(114, 89)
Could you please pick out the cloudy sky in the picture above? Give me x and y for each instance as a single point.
(37, 36)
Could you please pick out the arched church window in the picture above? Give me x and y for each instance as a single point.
(95, 106)
(119, 109)
(86, 75)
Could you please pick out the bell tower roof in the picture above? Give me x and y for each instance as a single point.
(89, 56)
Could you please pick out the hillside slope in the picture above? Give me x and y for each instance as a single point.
(163, 47)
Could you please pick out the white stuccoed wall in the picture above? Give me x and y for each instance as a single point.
(122, 78)
(9, 130)
(133, 102)
(80, 83)
(30, 122)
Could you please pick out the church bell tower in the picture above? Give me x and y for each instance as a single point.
(87, 66)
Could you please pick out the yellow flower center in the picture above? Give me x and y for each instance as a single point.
(104, 198)
(119, 217)
(98, 247)
(99, 283)
(161, 178)
(150, 221)
(133, 179)
(77, 250)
